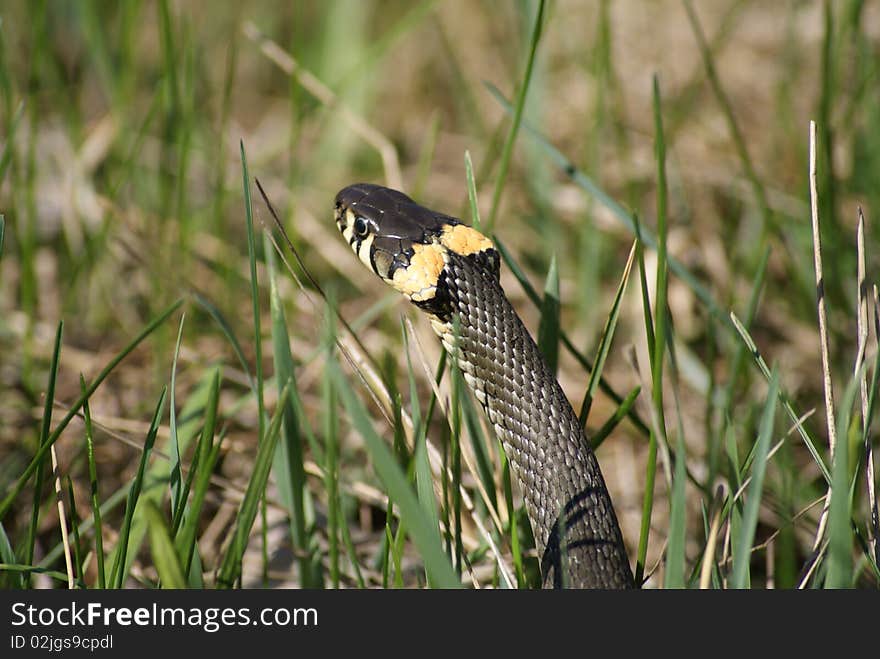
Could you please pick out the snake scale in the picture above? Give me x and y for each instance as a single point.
(451, 272)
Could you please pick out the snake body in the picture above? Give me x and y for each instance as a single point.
(451, 271)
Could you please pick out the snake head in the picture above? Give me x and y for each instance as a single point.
(404, 243)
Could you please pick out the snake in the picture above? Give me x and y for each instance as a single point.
(451, 271)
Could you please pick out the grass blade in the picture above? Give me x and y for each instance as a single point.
(765, 371)
(93, 488)
(44, 444)
(664, 335)
(605, 343)
(255, 296)
(226, 328)
(472, 191)
(204, 459)
(119, 572)
(840, 534)
(288, 465)
(258, 334)
(739, 355)
(660, 311)
(335, 517)
(12, 126)
(675, 549)
(507, 152)
(740, 576)
(7, 557)
(619, 414)
(176, 500)
(165, 557)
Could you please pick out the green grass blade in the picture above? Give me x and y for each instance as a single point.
(258, 334)
(255, 294)
(675, 548)
(738, 361)
(8, 148)
(176, 500)
(74, 524)
(507, 152)
(397, 544)
(44, 449)
(874, 387)
(740, 576)
(93, 488)
(230, 568)
(7, 557)
(455, 409)
(165, 557)
(226, 328)
(472, 191)
(288, 465)
(204, 459)
(353, 557)
(651, 464)
(197, 422)
(605, 343)
(660, 311)
(119, 572)
(658, 330)
(749, 342)
(840, 534)
(425, 536)
(2, 231)
(48, 406)
(330, 421)
(30, 569)
(675, 557)
(643, 289)
(619, 414)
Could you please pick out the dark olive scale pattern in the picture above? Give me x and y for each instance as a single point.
(576, 530)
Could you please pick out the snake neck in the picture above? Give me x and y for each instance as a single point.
(573, 520)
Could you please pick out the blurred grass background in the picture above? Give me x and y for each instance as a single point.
(121, 190)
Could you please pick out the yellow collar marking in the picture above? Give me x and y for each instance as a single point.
(419, 281)
(464, 240)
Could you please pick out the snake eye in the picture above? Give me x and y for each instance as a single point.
(360, 227)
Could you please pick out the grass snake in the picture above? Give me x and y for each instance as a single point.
(450, 270)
